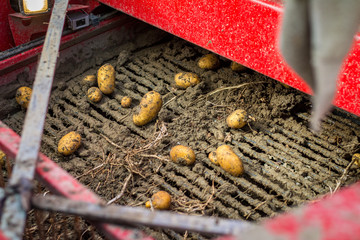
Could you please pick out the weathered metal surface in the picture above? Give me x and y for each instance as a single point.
(140, 216)
(19, 188)
(245, 31)
(58, 181)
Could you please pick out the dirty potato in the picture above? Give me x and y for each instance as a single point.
(148, 109)
(213, 158)
(106, 78)
(23, 95)
(237, 67)
(209, 61)
(89, 80)
(160, 200)
(94, 94)
(2, 158)
(186, 79)
(356, 159)
(126, 102)
(237, 119)
(69, 143)
(229, 161)
(182, 154)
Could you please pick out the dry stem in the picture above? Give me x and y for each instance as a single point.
(343, 176)
(122, 190)
(225, 88)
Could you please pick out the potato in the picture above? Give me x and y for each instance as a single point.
(2, 158)
(106, 78)
(237, 119)
(150, 106)
(182, 154)
(23, 95)
(186, 79)
(126, 102)
(237, 67)
(89, 80)
(69, 143)
(94, 94)
(160, 200)
(209, 61)
(213, 158)
(229, 161)
(356, 156)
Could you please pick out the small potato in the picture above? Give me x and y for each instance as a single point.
(23, 95)
(356, 156)
(182, 154)
(126, 102)
(160, 200)
(186, 79)
(209, 61)
(106, 78)
(2, 158)
(229, 161)
(213, 158)
(89, 80)
(237, 119)
(150, 106)
(94, 94)
(69, 143)
(237, 67)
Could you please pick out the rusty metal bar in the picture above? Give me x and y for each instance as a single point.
(19, 189)
(140, 216)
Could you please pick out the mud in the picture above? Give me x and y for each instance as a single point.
(285, 164)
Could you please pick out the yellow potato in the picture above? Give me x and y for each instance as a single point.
(213, 158)
(160, 200)
(126, 102)
(150, 106)
(186, 79)
(69, 143)
(2, 158)
(356, 156)
(94, 94)
(209, 61)
(89, 80)
(182, 154)
(229, 161)
(106, 78)
(237, 119)
(23, 95)
(237, 67)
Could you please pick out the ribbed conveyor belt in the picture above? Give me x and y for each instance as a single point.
(285, 163)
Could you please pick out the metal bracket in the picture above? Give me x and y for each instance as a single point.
(77, 19)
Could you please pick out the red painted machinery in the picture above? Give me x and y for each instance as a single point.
(244, 31)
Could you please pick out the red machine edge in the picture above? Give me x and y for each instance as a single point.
(244, 31)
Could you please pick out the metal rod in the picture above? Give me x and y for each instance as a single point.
(140, 216)
(19, 190)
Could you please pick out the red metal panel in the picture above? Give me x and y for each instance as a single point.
(5, 33)
(335, 217)
(60, 182)
(244, 31)
(27, 28)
